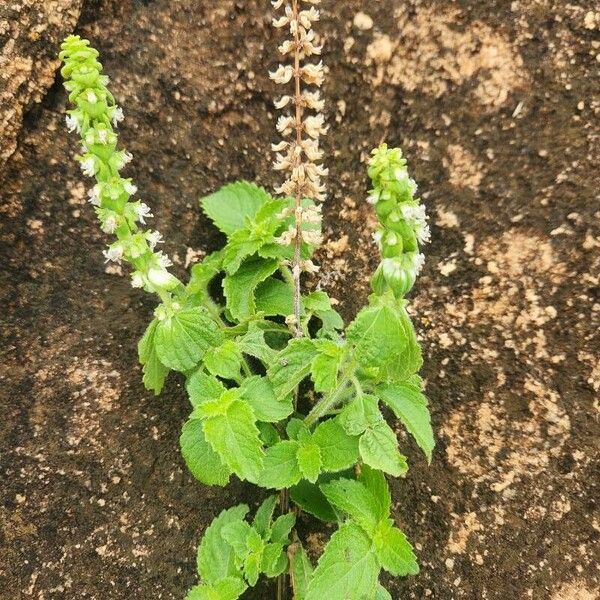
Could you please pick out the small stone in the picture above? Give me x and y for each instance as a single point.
(363, 21)
(450, 563)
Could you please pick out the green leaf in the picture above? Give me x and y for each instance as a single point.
(235, 437)
(297, 429)
(155, 372)
(254, 344)
(202, 387)
(233, 204)
(394, 552)
(376, 483)
(264, 516)
(281, 528)
(215, 555)
(348, 569)
(236, 535)
(268, 434)
(224, 361)
(309, 460)
(291, 366)
(275, 298)
(359, 414)
(331, 320)
(258, 392)
(379, 449)
(316, 301)
(353, 498)
(301, 572)
(325, 366)
(202, 461)
(309, 497)
(280, 468)
(203, 273)
(239, 288)
(385, 339)
(229, 588)
(182, 339)
(274, 560)
(410, 406)
(241, 245)
(339, 450)
(382, 594)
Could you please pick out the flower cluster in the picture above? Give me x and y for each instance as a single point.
(94, 116)
(299, 153)
(403, 222)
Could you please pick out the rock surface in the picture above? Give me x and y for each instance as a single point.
(496, 106)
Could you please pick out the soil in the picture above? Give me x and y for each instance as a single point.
(496, 106)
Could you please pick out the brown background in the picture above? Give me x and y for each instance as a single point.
(495, 104)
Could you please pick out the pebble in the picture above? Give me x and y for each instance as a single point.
(363, 21)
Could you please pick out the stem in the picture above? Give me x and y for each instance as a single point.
(323, 406)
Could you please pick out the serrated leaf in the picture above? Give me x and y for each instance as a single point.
(235, 437)
(296, 429)
(301, 572)
(309, 497)
(358, 414)
(325, 366)
(394, 552)
(229, 588)
(281, 528)
(202, 387)
(275, 298)
(203, 273)
(202, 461)
(268, 434)
(331, 320)
(309, 460)
(239, 288)
(382, 594)
(224, 361)
(274, 560)
(339, 450)
(154, 371)
(215, 556)
(236, 535)
(233, 204)
(254, 344)
(379, 449)
(316, 301)
(258, 392)
(353, 498)
(376, 483)
(264, 516)
(291, 366)
(280, 466)
(348, 569)
(242, 244)
(410, 406)
(182, 339)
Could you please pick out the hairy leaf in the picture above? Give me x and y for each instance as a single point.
(359, 414)
(410, 406)
(264, 516)
(202, 387)
(182, 339)
(281, 528)
(202, 461)
(379, 449)
(224, 360)
(309, 497)
(229, 588)
(291, 366)
(155, 372)
(325, 366)
(258, 392)
(280, 468)
(274, 560)
(376, 483)
(203, 273)
(338, 449)
(275, 297)
(394, 551)
(309, 460)
(254, 344)
(301, 571)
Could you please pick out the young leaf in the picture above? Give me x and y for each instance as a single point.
(359, 414)
(155, 372)
(254, 344)
(301, 571)
(382, 594)
(224, 361)
(202, 387)
(309, 497)
(274, 560)
(275, 298)
(376, 483)
(241, 245)
(203, 273)
(239, 288)
(258, 392)
(291, 366)
(379, 449)
(339, 450)
(181, 340)
(215, 555)
(202, 461)
(309, 460)
(280, 468)
(264, 516)
(236, 535)
(235, 437)
(325, 366)
(229, 588)
(410, 406)
(233, 204)
(347, 569)
(353, 498)
(316, 301)
(394, 551)
(297, 429)
(281, 528)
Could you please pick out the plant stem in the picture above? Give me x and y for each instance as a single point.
(323, 406)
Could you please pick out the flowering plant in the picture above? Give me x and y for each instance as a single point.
(282, 394)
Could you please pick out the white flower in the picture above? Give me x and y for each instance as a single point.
(130, 188)
(401, 174)
(73, 123)
(91, 97)
(283, 74)
(163, 260)
(413, 186)
(282, 102)
(314, 125)
(161, 278)
(424, 234)
(418, 262)
(114, 253)
(117, 116)
(143, 212)
(88, 166)
(154, 238)
(373, 199)
(137, 280)
(122, 159)
(110, 224)
(377, 237)
(94, 196)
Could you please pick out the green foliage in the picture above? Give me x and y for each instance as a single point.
(284, 411)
